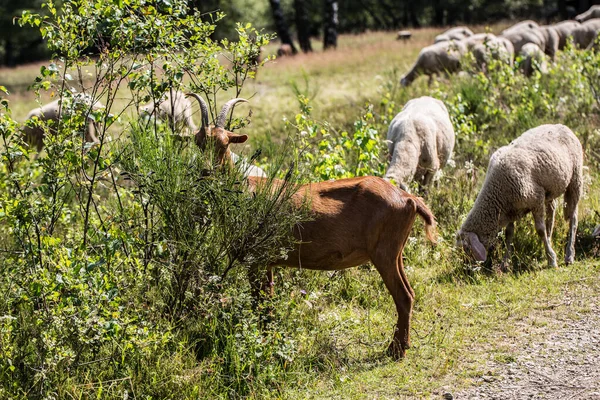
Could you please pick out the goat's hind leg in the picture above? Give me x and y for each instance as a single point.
(403, 299)
(387, 258)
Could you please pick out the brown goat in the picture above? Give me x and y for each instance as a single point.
(354, 221)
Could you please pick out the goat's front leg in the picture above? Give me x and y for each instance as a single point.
(540, 227)
(260, 285)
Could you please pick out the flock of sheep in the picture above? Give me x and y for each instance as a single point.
(368, 219)
(525, 176)
(528, 40)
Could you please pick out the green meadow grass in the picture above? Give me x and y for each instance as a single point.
(464, 316)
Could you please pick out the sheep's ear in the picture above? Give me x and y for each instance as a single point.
(233, 138)
(477, 247)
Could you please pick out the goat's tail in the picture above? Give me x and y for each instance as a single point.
(428, 218)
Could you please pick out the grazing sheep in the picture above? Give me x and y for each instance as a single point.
(583, 34)
(353, 221)
(52, 111)
(527, 176)
(532, 59)
(545, 37)
(497, 48)
(403, 35)
(589, 32)
(443, 57)
(527, 24)
(285, 50)
(566, 30)
(248, 169)
(420, 141)
(172, 107)
(593, 12)
(458, 33)
(476, 39)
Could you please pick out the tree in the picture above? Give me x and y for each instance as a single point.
(18, 45)
(331, 24)
(302, 26)
(281, 26)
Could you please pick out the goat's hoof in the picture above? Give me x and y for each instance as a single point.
(396, 351)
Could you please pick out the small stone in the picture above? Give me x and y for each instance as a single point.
(447, 396)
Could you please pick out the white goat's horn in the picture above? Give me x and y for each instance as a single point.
(225, 110)
(203, 108)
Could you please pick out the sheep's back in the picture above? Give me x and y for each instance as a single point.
(548, 156)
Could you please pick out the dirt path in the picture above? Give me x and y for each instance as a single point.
(561, 362)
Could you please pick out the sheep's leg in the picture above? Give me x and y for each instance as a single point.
(540, 227)
(550, 209)
(509, 234)
(570, 247)
(572, 196)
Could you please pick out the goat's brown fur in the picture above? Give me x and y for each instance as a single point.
(354, 221)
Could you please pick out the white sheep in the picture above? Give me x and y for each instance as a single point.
(527, 24)
(593, 12)
(443, 57)
(527, 176)
(248, 169)
(588, 33)
(495, 48)
(477, 39)
(52, 112)
(420, 141)
(457, 33)
(545, 37)
(532, 59)
(566, 30)
(173, 107)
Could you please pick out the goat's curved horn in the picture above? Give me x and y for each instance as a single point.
(225, 110)
(203, 108)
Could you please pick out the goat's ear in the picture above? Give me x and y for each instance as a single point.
(234, 138)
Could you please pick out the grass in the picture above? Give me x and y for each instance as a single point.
(342, 322)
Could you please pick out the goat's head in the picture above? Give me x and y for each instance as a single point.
(217, 136)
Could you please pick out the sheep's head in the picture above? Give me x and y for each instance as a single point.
(217, 136)
(471, 244)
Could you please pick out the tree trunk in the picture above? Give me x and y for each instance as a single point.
(438, 13)
(280, 25)
(302, 26)
(9, 58)
(562, 9)
(413, 15)
(331, 24)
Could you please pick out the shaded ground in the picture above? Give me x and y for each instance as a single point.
(562, 361)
